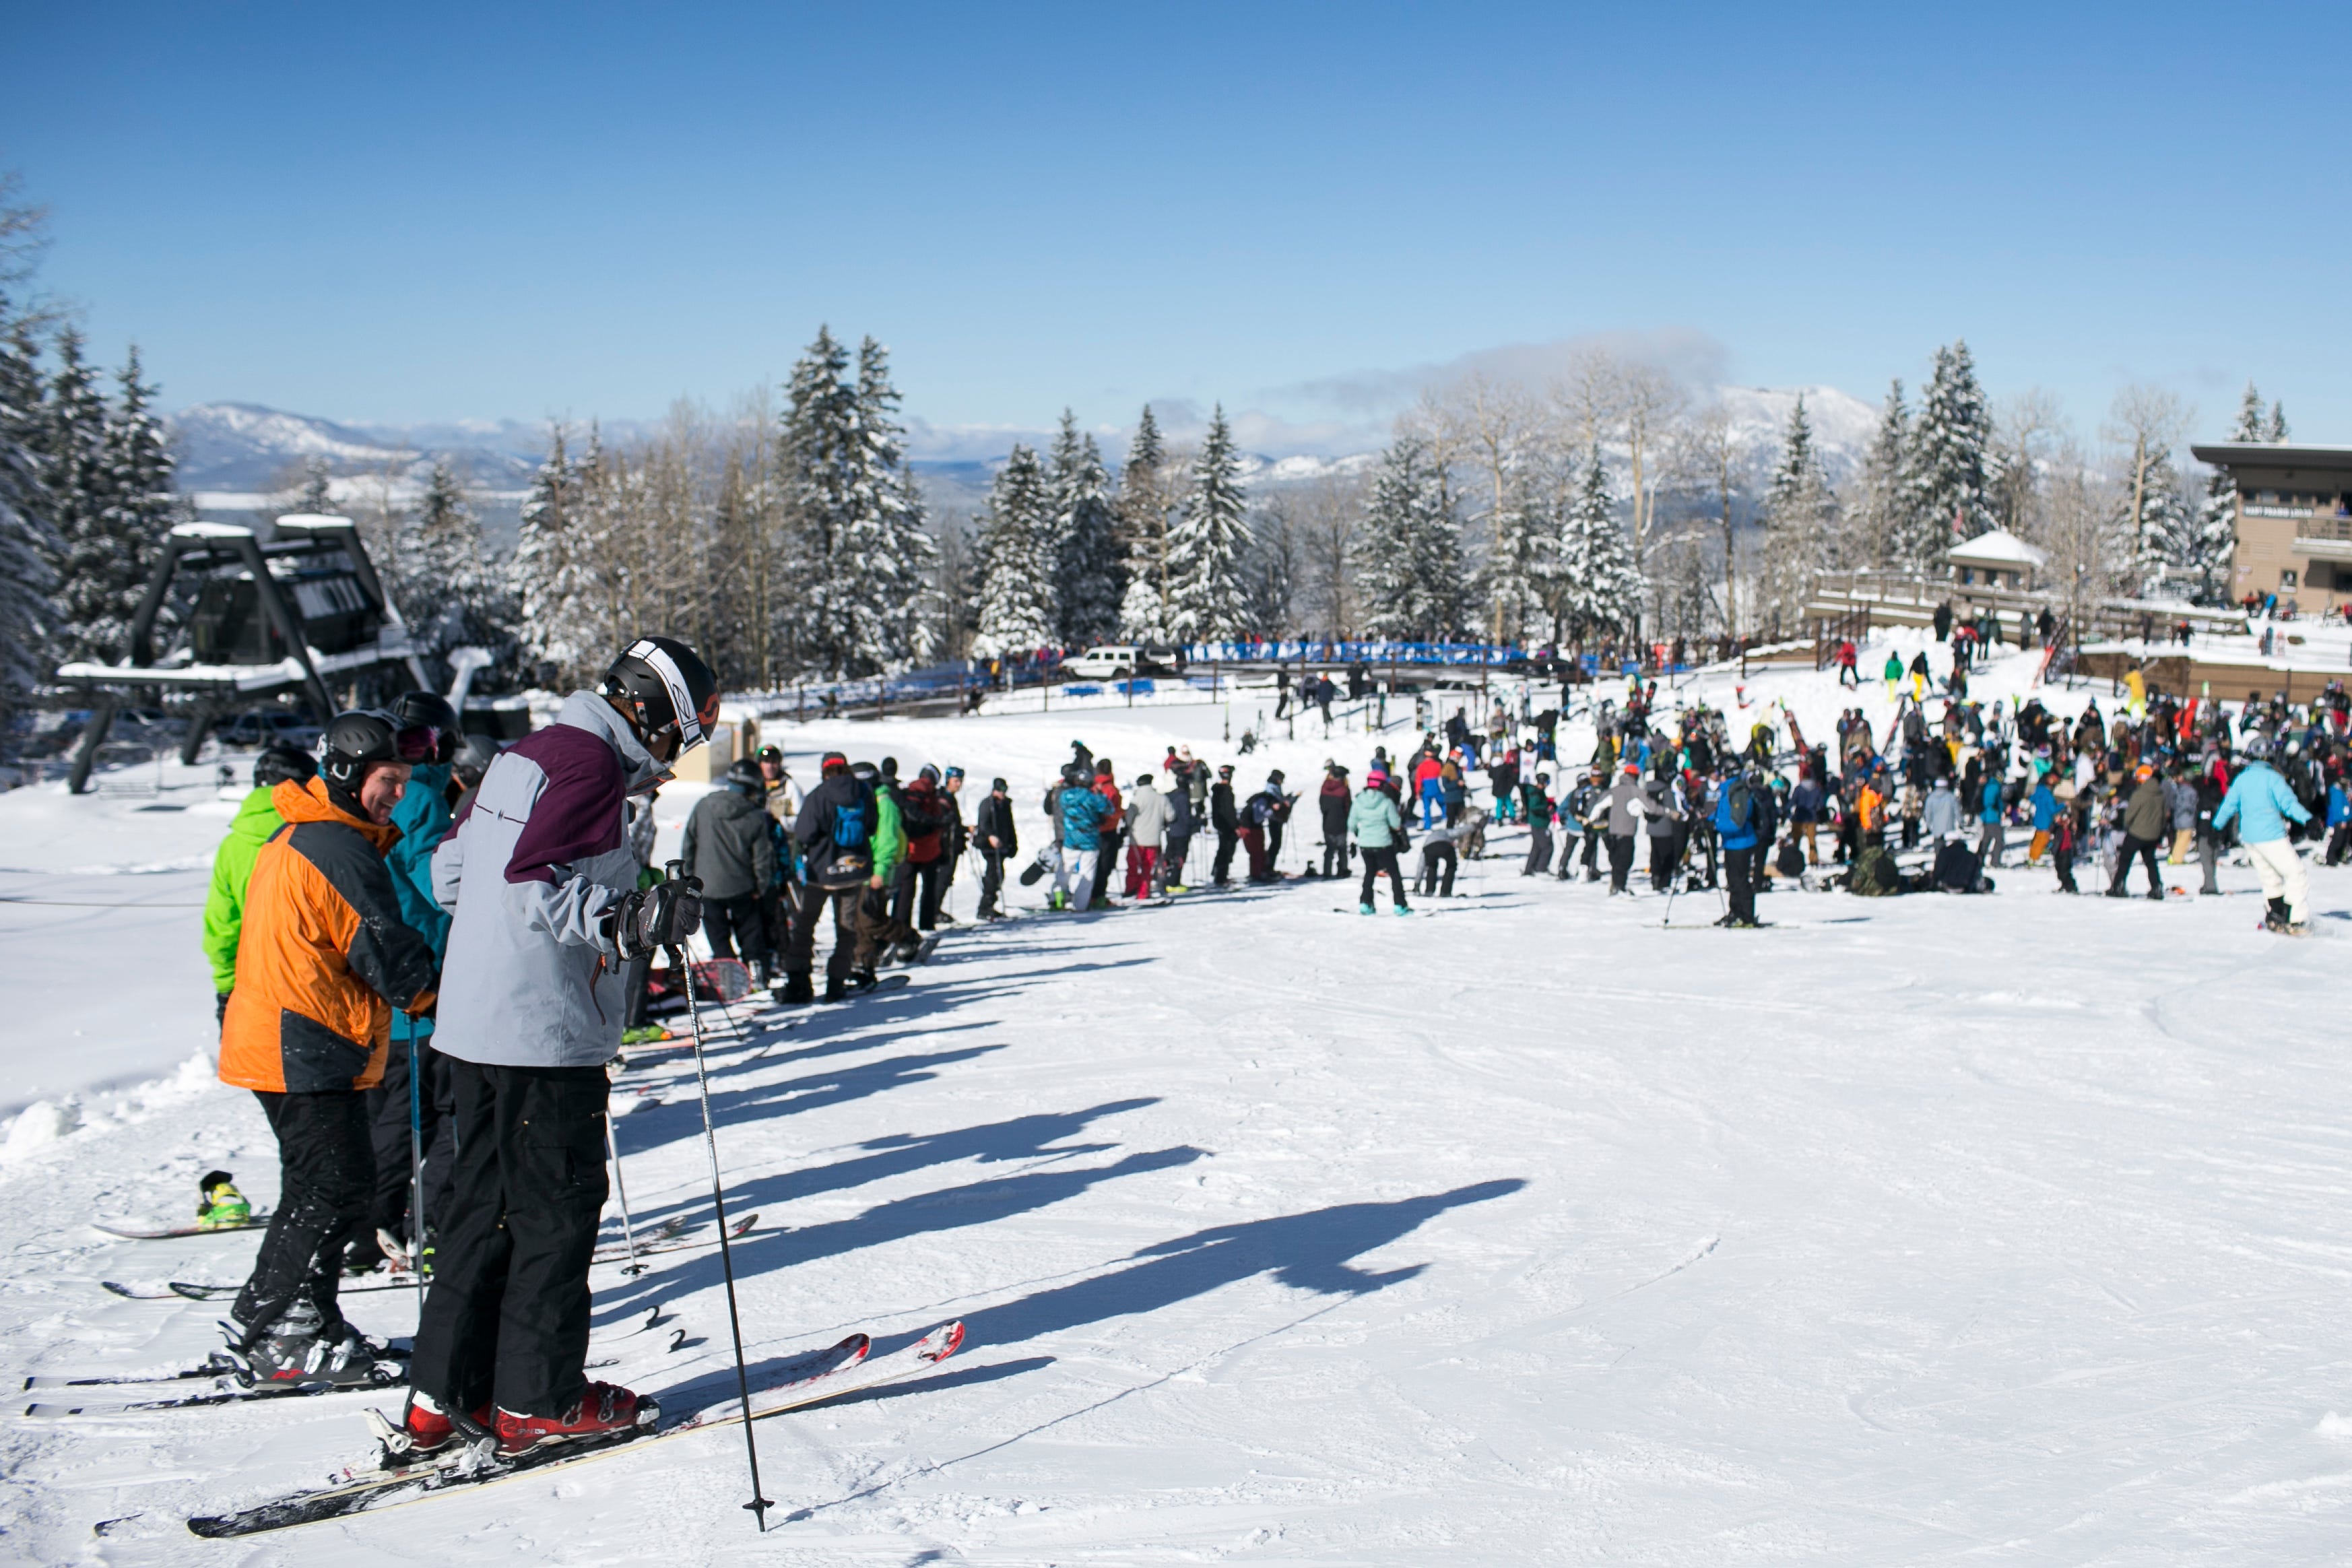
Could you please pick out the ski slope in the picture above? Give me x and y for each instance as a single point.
(2004, 1229)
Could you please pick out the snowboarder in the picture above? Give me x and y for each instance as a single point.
(2263, 805)
(1147, 832)
(322, 959)
(1226, 820)
(1081, 811)
(544, 907)
(2145, 815)
(992, 830)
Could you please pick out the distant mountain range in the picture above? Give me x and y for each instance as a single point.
(233, 456)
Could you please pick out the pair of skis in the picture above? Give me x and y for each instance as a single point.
(829, 1373)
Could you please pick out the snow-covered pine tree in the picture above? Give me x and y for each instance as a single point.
(1951, 448)
(1207, 600)
(26, 578)
(315, 498)
(449, 594)
(1016, 613)
(138, 508)
(1270, 570)
(1521, 559)
(816, 470)
(1879, 530)
(1797, 512)
(1090, 572)
(2274, 432)
(547, 571)
(88, 614)
(2215, 537)
(1599, 587)
(1408, 554)
(2161, 536)
(1143, 526)
(887, 555)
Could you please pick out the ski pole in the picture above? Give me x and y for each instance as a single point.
(628, 1232)
(759, 1505)
(415, 1171)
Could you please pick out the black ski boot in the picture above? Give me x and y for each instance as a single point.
(798, 988)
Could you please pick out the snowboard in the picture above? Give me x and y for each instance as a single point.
(839, 1369)
(1035, 872)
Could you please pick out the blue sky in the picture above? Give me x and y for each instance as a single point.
(425, 213)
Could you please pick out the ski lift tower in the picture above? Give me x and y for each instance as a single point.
(284, 616)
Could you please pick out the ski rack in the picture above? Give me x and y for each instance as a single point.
(308, 595)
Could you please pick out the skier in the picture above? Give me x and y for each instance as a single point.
(1439, 861)
(1081, 810)
(1991, 807)
(1377, 828)
(1182, 820)
(1261, 828)
(2145, 815)
(256, 818)
(1535, 804)
(1112, 829)
(1147, 831)
(727, 848)
(2262, 805)
(835, 832)
(1584, 809)
(406, 1120)
(541, 890)
(924, 819)
(1226, 820)
(1336, 803)
(1893, 674)
(1738, 813)
(322, 959)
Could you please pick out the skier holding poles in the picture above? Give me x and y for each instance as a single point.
(545, 910)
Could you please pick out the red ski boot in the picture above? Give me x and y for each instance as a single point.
(428, 1431)
(605, 1410)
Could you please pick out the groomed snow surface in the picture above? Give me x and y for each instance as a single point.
(2001, 1230)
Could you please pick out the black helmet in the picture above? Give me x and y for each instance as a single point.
(281, 763)
(668, 688)
(476, 755)
(352, 743)
(771, 754)
(746, 773)
(425, 711)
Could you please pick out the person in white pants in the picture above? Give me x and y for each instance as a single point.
(2261, 805)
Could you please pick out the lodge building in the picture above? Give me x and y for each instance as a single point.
(2295, 522)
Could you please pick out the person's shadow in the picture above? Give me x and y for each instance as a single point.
(1309, 1251)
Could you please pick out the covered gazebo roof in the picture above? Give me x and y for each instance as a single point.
(1998, 550)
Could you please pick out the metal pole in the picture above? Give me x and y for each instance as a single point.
(628, 1232)
(415, 1172)
(759, 1505)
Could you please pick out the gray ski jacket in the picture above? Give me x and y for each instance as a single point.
(1147, 817)
(527, 872)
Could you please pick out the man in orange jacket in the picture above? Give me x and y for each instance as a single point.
(324, 958)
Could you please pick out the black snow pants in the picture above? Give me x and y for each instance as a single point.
(848, 928)
(1591, 859)
(1335, 853)
(735, 928)
(1739, 865)
(1222, 871)
(1621, 860)
(992, 881)
(1437, 859)
(1539, 851)
(1377, 861)
(934, 876)
(324, 1172)
(2144, 848)
(507, 1319)
(388, 1119)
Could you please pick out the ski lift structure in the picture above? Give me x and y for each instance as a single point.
(284, 618)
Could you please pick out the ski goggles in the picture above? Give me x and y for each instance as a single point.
(416, 743)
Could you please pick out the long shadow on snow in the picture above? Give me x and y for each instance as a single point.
(1307, 1251)
(898, 1154)
(673, 1120)
(951, 1208)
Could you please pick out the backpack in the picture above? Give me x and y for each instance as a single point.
(1874, 875)
(1742, 802)
(851, 863)
(849, 830)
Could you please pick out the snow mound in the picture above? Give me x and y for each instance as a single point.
(39, 1125)
(2334, 1426)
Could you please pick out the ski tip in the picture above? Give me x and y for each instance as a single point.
(950, 1336)
(123, 1290)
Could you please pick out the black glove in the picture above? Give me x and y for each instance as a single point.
(651, 919)
(220, 1009)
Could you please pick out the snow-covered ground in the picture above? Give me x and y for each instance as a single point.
(2001, 1230)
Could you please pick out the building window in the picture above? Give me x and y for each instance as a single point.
(2286, 580)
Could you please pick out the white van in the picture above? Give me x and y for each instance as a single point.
(1110, 660)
